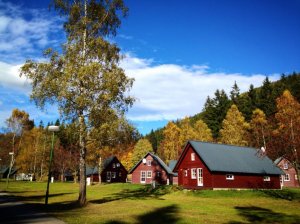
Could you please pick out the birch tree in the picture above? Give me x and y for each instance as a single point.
(84, 78)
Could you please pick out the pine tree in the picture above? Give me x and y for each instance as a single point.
(234, 128)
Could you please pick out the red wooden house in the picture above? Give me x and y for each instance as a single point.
(204, 165)
(112, 171)
(151, 169)
(289, 178)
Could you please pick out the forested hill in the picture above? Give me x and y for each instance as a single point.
(215, 109)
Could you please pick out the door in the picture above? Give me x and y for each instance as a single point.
(143, 177)
(108, 176)
(199, 177)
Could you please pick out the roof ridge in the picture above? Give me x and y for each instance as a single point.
(216, 143)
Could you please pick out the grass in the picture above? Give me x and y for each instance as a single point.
(129, 203)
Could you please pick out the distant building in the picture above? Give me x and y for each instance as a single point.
(112, 171)
(204, 165)
(151, 169)
(289, 178)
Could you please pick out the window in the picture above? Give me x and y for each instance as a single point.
(267, 178)
(286, 166)
(118, 164)
(192, 156)
(149, 174)
(229, 177)
(193, 173)
(286, 177)
(114, 165)
(120, 174)
(149, 162)
(113, 174)
(157, 174)
(185, 173)
(296, 177)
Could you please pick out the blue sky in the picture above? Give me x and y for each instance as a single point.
(179, 52)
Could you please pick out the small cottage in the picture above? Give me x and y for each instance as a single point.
(112, 171)
(289, 178)
(151, 169)
(204, 165)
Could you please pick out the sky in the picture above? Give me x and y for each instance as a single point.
(178, 52)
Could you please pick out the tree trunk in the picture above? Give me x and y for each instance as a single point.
(82, 165)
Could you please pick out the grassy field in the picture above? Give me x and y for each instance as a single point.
(129, 203)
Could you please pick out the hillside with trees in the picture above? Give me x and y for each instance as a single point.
(267, 117)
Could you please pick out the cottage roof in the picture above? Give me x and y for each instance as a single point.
(94, 170)
(156, 158)
(235, 159)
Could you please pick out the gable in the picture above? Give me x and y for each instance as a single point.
(235, 159)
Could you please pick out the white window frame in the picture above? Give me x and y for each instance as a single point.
(285, 166)
(296, 177)
(118, 164)
(229, 177)
(149, 162)
(193, 173)
(200, 177)
(287, 177)
(113, 175)
(193, 156)
(149, 174)
(108, 176)
(113, 165)
(143, 177)
(185, 173)
(267, 178)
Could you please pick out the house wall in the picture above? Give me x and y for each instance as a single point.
(186, 165)
(245, 181)
(120, 173)
(213, 180)
(155, 167)
(290, 170)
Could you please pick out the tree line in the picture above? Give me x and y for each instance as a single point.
(268, 117)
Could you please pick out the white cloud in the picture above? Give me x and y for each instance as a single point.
(25, 31)
(9, 78)
(170, 91)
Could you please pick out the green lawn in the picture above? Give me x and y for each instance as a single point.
(129, 203)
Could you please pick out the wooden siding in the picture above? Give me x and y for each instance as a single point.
(155, 167)
(290, 170)
(215, 180)
(120, 173)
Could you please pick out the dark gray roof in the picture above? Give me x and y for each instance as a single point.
(94, 170)
(278, 160)
(172, 164)
(236, 159)
(155, 157)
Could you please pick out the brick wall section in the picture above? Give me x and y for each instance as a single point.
(293, 182)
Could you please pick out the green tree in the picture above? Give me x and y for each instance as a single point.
(266, 98)
(170, 146)
(235, 93)
(234, 128)
(202, 132)
(141, 148)
(215, 111)
(85, 79)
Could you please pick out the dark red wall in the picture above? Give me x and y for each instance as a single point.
(218, 179)
(121, 173)
(154, 168)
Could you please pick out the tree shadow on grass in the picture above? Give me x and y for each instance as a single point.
(142, 193)
(282, 194)
(161, 215)
(255, 214)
